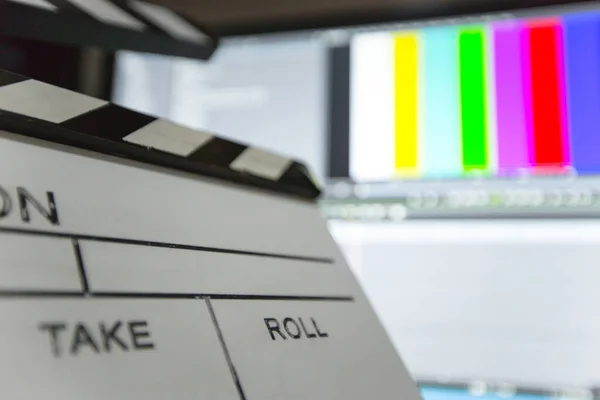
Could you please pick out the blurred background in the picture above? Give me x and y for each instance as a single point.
(460, 164)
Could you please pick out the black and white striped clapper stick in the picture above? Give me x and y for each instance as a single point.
(109, 24)
(100, 119)
(130, 14)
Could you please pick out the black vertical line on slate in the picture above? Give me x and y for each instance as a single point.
(82, 274)
(108, 122)
(217, 151)
(234, 374)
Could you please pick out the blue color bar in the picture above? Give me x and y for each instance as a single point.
(441, 135)
(582, 54)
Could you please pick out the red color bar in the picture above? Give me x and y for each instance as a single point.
(548, 119)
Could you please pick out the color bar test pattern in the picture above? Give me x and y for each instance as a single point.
(495, 99)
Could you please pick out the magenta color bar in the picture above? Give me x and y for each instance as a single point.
(525, 59)
(510, 98)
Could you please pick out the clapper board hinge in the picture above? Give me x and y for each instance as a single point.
(43, 111)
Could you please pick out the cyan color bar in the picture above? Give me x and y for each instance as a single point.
(440, 88)
(582, 54)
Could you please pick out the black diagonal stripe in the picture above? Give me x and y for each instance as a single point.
(64, 6)
(109, 122)
(154, 27)
(122, 5)
(212, 35)
(150, 25)
(219, 152)
(8, 78)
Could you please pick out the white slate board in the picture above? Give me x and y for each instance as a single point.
(125, 281)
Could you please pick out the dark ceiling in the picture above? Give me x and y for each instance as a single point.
(233, 17)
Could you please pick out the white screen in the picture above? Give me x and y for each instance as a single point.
(499, 301)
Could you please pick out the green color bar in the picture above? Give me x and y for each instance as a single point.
(472, 93)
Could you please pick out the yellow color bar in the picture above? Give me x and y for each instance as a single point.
(405, 97)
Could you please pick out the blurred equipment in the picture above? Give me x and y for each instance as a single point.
(499, 391)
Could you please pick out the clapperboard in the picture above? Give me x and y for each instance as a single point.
(140, 259)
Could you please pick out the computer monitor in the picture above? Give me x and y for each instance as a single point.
(506, 98)
(493, 115)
